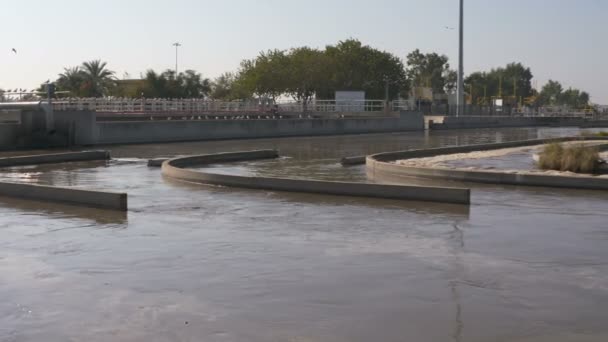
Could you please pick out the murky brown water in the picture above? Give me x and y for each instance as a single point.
(197, 263)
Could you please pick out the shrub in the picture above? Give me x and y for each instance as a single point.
(580, 159)
(577, 158)
(551, 157)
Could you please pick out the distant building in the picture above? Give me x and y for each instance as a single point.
(350, 101)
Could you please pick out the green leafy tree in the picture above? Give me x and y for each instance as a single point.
(168, 84)
(430, 70)
(551, 93)
(193, 85)
(354, 66)
(222, 88)
(517, 80)
(306, 72)
(574, 98)
(514, 81)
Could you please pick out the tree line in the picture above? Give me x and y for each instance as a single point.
(304, 73)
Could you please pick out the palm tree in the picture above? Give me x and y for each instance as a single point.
(71, 80)
(98, 79)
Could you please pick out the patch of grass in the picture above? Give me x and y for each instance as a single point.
(580, 159)
(576, 158)
(598, 134)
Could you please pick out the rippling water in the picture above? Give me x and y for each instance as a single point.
(198, 263)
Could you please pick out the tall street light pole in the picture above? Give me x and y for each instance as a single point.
(460, 92)
(177, 44)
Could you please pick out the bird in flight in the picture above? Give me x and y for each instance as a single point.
(14, 50)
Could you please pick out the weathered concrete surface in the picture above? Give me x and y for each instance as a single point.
(351, 161)
(157, 162)
(9, 133)
(166, 131)
(465, 122)
(225, 157)
(10, 116)
(88, 198)
(54, 158)
(80, 127)
(381, 167)
(174, 168)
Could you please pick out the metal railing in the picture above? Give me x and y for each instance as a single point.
(479, 110)
(199, 106)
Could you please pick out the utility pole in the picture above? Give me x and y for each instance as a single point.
(386, 85)
(500, 86)
(177, 45)
(485, 95)
(386, 102)
(460, 90)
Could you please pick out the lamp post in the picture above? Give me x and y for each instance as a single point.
(460, 91)
(177, 45)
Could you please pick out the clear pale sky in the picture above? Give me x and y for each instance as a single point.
(566, 40)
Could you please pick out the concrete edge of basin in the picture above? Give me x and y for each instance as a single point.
(353, 161)
(54, 158)
(81, 197)
(157, 162)
(174, 168)
(380, 166)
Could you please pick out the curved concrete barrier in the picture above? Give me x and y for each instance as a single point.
(174, 168)
(88, 198)
(54, 158)
(157, 162)
(352, 161)
(380, 166)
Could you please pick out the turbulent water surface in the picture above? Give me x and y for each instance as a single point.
(198, 263)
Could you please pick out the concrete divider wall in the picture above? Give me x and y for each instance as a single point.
(89, 198)
(464, 122)
(174, 168)
(167, 131)
(224, 157)
(431, 152)
(9, 134)
(379, 167)
(54, 158)
(80, 127)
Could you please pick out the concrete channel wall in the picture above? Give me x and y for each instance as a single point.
(174, 168)
(88, 198)
(167, 131)
(9, 133)
(382, 167)
(465, 122)
(54, 158)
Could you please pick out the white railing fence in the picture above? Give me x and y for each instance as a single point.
(199, 106)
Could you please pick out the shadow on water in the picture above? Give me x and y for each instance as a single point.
(460, 212)
(117, 219)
